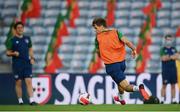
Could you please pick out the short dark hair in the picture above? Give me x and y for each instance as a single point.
(168, 35)
(99, 22)
(18, 23)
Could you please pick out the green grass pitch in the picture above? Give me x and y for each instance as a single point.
(93, 108)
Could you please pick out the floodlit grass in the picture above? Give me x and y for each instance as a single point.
(103, 108)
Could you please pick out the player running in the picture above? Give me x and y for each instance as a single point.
(110, 46)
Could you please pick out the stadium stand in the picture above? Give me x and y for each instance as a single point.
(77, 47)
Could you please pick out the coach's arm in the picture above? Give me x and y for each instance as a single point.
(12, 53)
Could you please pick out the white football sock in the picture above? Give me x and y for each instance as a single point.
(20, 100)
(121, 96)
(162, 99)
(135, 88)
(174, 100)
(31, 99)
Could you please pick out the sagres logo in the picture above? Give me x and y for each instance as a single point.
(42, 88)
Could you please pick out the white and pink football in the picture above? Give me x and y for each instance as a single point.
(84, 98)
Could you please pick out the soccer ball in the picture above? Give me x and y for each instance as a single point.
(84, 98)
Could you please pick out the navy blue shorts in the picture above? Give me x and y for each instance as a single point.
(116, 71)
(22, 70)
(169, 75)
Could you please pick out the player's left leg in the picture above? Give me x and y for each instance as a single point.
(179, 96)
(121, 92)
(128, 87)
(29, 87)
(163, 93)
(18, 87)
(28, 81)
(132, 88)
(173, 92)
(120, 97)
(173, 82)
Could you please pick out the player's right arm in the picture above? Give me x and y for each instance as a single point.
(128, 43)
(12, 53)
(9, 51)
